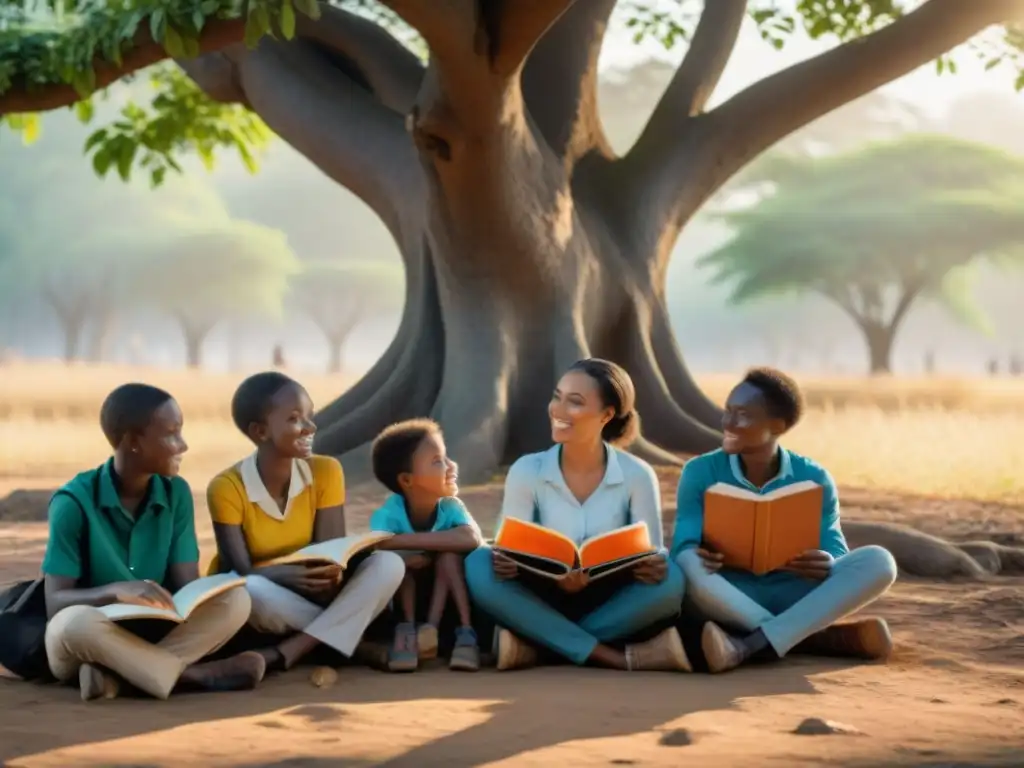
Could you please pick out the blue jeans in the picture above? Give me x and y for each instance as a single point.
(787, 608)
(628, 610)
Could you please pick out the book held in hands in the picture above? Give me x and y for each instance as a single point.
(186, 600)
(762, 532)
(548, 553)
(338, 551)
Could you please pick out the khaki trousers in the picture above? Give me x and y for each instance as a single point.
(81, 634)
(279, 611)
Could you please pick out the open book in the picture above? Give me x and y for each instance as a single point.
(761, 533)
(549, 553)
(333, 552)
(186, 600)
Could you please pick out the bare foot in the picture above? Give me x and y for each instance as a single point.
(96, 683)
(237, 673)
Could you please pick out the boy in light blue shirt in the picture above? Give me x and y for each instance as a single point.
(433, 531)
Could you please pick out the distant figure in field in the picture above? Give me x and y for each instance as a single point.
(278, 356)
(993, 366)
(125, 533)
(773, 613)
(929, 362)
(583, 486)
(1016, 366)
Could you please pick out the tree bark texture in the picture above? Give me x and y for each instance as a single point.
(528, 244)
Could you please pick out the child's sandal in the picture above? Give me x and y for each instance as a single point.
(404, 656)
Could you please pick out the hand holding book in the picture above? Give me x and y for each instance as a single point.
(712, 560)
(573, 582)
(812, 564)
(651, 570)
(145, 593)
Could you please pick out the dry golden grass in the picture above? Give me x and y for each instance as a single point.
(958, 439)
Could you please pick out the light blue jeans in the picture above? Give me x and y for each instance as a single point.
(628, 611)
(787, 608)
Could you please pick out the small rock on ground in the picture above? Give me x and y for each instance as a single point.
(323, 677)
(679, 737)
(816, 726)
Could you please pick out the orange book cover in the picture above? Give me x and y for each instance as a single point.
(552, 554)
(761, 533)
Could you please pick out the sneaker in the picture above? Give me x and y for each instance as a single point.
(722, 651)
(466, 652)
(512, 653)
(860, 639)
(94, 683)
(664, 653)
(426, 641)
(403, 656)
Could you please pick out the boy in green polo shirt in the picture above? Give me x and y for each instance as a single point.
(125, 533)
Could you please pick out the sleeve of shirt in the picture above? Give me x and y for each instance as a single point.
(382, 521)
(832, 539)
(64, 545)
(689, 528)
(456, 515)
(184, 544)
(224, 501)
(645, 503)
(330, 482)
(518, 499)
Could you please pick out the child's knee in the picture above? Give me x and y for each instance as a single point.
(449, 563)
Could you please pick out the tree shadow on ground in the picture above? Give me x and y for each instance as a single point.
(517, 713)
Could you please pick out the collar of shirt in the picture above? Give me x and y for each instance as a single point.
(551, 469)
(258, 494)
(785, 471)
(108, 499)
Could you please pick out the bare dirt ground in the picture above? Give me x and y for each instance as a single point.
(952, 696)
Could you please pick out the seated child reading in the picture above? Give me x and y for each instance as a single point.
(279, 500)
(434, 530)
(124, 533)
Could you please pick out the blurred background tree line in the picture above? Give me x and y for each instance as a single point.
(880, 237)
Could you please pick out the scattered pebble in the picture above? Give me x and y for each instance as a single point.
(678, 737)
(815, 726)
(1007, 702)
(323, 677)
(937, 700)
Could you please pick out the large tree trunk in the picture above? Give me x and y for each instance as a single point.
(528, 245)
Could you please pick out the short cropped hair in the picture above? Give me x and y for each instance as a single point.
(130, 408)
(392, 450)
(781, 394)
(251, 401)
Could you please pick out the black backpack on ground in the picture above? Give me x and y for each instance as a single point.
(23, 622)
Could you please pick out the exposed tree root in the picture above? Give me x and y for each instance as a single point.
(920, 554)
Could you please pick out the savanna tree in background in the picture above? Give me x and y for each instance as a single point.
(875, 229)
(207, 273)
(337, 296)
(527, 241)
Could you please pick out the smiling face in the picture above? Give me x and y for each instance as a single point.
(289, 426)
(158, 449)
(747, 423)
(432, 472)
(576, 410)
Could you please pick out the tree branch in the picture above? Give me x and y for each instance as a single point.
(697, 77)
(519, 25)
(560, 81)
(754, 119)
(392, 70)
(657, 167)
(144, 51)
(338, 125)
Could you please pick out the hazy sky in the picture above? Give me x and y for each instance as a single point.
(753, 59)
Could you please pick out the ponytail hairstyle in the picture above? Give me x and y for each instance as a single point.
(617, 392)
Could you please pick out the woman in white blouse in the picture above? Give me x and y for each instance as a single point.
(583, 486)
